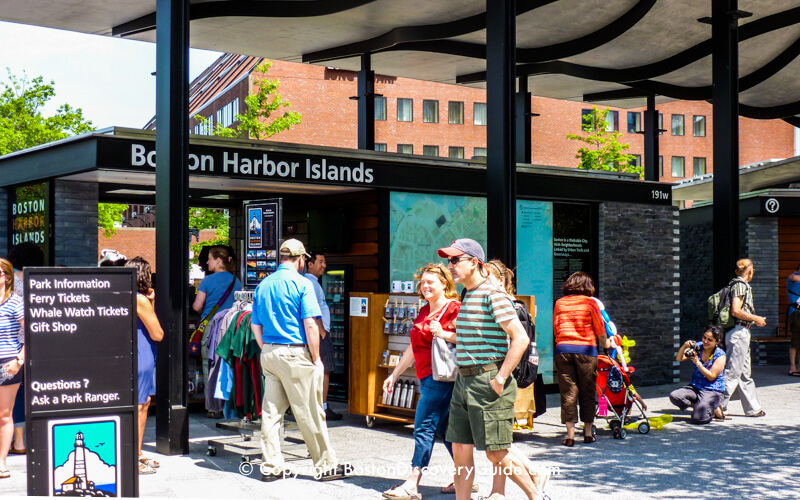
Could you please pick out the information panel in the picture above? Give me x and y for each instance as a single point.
(554, 240)
(262, 240)
(81, 381)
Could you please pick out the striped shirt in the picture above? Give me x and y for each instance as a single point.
(11, 339)
(479, 337)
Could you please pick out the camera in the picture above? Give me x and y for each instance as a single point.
(694, 349)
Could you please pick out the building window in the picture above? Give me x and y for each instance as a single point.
(479, 152)
(677, 124)
(634, 122)
(660, 167)
(660, 124)
(226, 113)
(407, 149)
(430, 150)
(637, 161)
(455, 152)
(479, 114)
(698, 167)
(430, 111)
(380, 109)
(678, 166)
(455, 113)
(206, 128)
(699, 126)
(405, 110)
(612, 121)
(380, 146)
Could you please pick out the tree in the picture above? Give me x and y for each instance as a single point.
(604, 152)
(107, 215)
(209, 218)
(260, 106)
(22, 124)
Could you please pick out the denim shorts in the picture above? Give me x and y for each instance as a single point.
(478, 416)
(16, 379)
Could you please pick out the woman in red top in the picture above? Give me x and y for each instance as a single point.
(436, 286)
(578, 326)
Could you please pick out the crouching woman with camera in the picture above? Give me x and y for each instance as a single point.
(708, 377)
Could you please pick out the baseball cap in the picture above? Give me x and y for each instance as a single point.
(463, 246)
(293, 247)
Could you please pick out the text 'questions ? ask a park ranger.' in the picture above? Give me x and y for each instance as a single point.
(284, 323)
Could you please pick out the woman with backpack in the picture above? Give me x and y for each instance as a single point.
(578, 326)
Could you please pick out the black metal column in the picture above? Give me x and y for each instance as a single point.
(501, 182)
(366, 105)
(651, 132)
(725, 62)
(523, 121)
(172, 150)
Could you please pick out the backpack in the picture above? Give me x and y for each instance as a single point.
(719, 306)
(528, 367)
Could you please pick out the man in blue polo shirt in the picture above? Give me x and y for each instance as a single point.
(284, 323)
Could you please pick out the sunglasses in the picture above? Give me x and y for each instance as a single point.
(456, 260)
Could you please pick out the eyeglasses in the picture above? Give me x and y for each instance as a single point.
(456, 260)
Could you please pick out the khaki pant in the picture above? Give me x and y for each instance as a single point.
(737, 371)
(290, 378)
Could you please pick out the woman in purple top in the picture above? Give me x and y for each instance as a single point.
(708, 377)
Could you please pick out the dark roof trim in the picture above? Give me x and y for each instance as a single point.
(251, 8)
(647, 71)
(409, 34)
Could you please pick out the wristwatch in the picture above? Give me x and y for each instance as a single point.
(500, 380)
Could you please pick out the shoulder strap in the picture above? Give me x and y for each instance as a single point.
(444, 310)
(201, 326)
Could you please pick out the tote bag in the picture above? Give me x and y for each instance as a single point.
(443, 356)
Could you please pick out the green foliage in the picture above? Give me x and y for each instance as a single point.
(209, 218)
(603, 150)
(22, 124)
(107, 215)
(255, 122)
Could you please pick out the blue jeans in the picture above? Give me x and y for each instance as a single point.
(433, 410)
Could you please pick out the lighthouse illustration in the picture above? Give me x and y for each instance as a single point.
(85, 458)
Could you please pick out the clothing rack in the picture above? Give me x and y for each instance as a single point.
(243, 296)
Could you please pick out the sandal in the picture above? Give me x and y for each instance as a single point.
(761, 413)
(149, 462)
(145, 469)
(589, 439)
(568, 442)
(404, 494)
(5, 473)
(451, 489)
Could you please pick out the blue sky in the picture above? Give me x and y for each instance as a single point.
(108, 78)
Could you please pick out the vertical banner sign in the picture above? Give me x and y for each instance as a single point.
(262, 240)
(81, 381)
(30, 216)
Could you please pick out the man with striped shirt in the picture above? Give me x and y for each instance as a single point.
(482, 408)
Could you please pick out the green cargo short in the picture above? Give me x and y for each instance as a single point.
(478, 416)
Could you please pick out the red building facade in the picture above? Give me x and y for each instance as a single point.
(437, 119)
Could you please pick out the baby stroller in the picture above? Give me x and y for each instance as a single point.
(614, 384)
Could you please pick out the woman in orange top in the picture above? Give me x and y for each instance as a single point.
(578, 326)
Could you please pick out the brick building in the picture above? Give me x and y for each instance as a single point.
(437, 119)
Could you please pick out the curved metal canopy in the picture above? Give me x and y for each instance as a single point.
(604, 50)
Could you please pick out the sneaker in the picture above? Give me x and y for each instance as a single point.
(332, 415)
(338, 472)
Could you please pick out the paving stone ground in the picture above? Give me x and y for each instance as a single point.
(740, 458)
